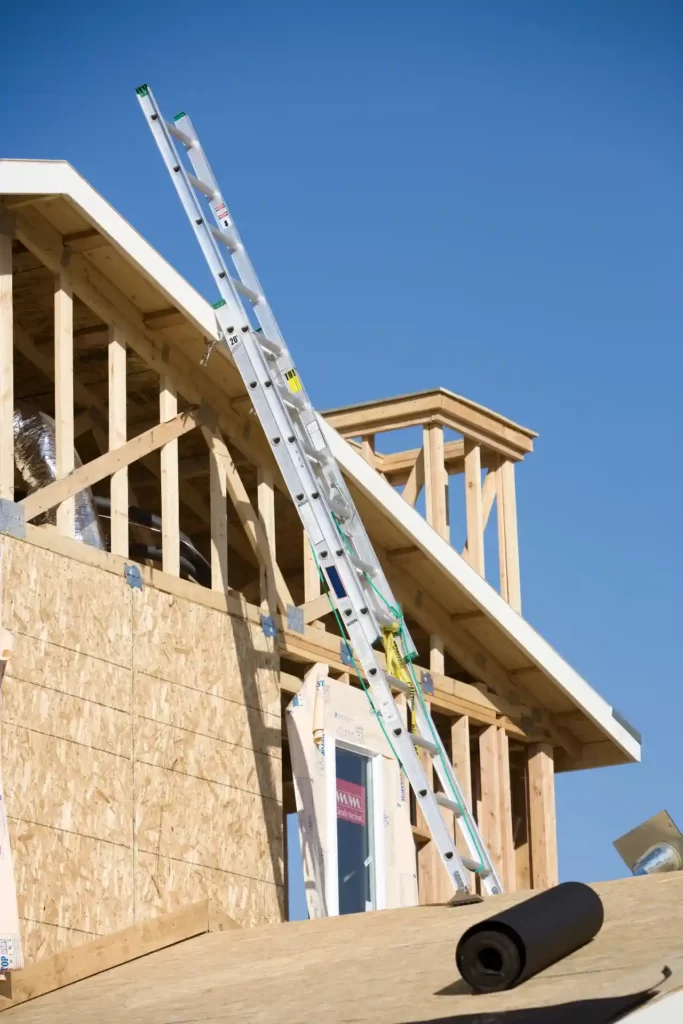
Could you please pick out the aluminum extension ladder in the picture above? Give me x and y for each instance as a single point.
(344, 553)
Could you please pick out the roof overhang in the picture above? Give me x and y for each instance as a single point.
(511, 633)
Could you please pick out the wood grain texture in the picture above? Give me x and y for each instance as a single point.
(6, 369)
(383, 968)
(542, 821)
(110, 772)
(64, 395)
(170, 500)
(117, 436)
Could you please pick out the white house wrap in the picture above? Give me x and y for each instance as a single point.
(323, 716)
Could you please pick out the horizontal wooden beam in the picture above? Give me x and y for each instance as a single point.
(84, 477)
(169, 317)
(439, 406)
(316, 608)
(83, 241)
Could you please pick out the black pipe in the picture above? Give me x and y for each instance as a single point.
(190, 558)
(506, 949)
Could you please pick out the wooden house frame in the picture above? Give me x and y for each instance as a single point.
(100, 333)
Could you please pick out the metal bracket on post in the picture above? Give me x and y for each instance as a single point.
(346, 654)
(268, 625)
(295, 619)
(12, 519)
(133, 577)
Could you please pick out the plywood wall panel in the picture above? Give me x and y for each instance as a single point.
(204, 649)
(68, 786)
(228, 829)
(81, 675)
(54, 598)
(204, 757)
(95, 891)
(207, 714)
(51, 712)
(163, 884)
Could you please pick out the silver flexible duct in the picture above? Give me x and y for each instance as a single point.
(35, 456)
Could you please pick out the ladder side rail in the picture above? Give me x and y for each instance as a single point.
(451, 788)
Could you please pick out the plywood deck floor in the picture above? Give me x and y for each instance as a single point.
(390, 967)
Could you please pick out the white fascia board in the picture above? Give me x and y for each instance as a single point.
(57, 177)
(538, 650)
(48, 177)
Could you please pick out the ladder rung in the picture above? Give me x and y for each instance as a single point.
(273, 347)
(322, 457)
(202, 187)
(478, 866)
(225, 237)
(248, 293)
(187, 141)
(450, 805)
(420, 741)
(398, 684)
(362, 566)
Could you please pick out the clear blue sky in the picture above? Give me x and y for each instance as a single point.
(484, 196)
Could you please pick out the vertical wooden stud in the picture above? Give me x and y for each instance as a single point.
(474, 507)
(368, 450)
(508, 542)
(462, 766)
(520, 821)
(509, 868)
(489, 820)
(266, 512)
(542, 821)
(64, 394)
(436, 511)
(219, 522)
(170, 507)
(436, 479)
(118, 436)
(6, 368)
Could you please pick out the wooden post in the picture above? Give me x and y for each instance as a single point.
(509, 867)
(219, 522)
(508, 542)
(436, 506)
(368, 450)
(64, 394)
(520, 821)
(436, 479)
(542, 823)
(6, 368)
(474, 507)
(312, 588)
(170, 506)
(266, 512)
(462, 766)
(489, 817)
(117, 436)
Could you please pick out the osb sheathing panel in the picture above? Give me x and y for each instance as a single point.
(205, 649)
(228, 828)
(76, 606)
(207, 714)
(100, 872)
(67, 786)
(163, 884)
(202, 711)
(206, 758)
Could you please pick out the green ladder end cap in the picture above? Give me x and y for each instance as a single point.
(142, 90)
(217, 305)
(178, 116)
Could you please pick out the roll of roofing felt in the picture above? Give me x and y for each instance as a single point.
(510, 947)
